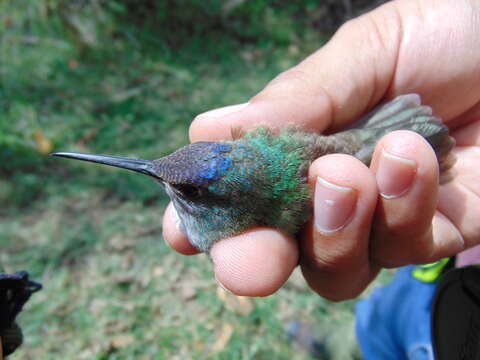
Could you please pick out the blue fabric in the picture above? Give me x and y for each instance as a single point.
(394, 322)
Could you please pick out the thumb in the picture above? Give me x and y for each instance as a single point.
(354, 68)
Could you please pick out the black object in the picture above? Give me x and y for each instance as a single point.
(15, 290)
(456, 315)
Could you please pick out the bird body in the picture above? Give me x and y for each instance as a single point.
(220, 189)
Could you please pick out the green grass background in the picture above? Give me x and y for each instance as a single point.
(127, 77)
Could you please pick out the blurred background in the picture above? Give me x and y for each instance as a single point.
(126, 77)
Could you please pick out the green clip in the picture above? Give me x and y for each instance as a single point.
(430, 272)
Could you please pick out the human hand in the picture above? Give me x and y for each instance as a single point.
(394, 212)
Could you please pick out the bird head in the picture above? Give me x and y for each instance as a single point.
(210, 204)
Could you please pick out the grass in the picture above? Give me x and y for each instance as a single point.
(87, 78)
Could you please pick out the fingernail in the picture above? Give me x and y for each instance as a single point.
(218, 113)
(333, 206)
(395, 175)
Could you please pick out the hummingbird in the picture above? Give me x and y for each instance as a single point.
(220, 189)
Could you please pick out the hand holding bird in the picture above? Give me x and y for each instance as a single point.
(397, 213)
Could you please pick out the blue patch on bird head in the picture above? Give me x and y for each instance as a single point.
(196, 164)
(217, 167)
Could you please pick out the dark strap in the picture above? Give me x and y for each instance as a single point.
(15, 290)
(456, 315)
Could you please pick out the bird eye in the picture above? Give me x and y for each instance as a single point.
(189, 191)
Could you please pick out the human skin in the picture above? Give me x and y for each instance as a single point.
(394, 212)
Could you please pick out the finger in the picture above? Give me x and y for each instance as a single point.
(172, 234)
(406, 171)
(335, 252)
(469, 132)
(309, 95)
(460, 199)
(255, 263)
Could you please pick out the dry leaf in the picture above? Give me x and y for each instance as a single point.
(90, 135)
(97, 306)
(120, 341)
(241, 305)
(223, 339)
(44, 145)
(121, 243)
(188, 287)
(293, 50)
(129, 306)
(8, 21)
(188, 292)
(158, 271)
(221, 293)
(73, 64)
(117, 326)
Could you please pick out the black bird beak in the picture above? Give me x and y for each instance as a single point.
(146, 167)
